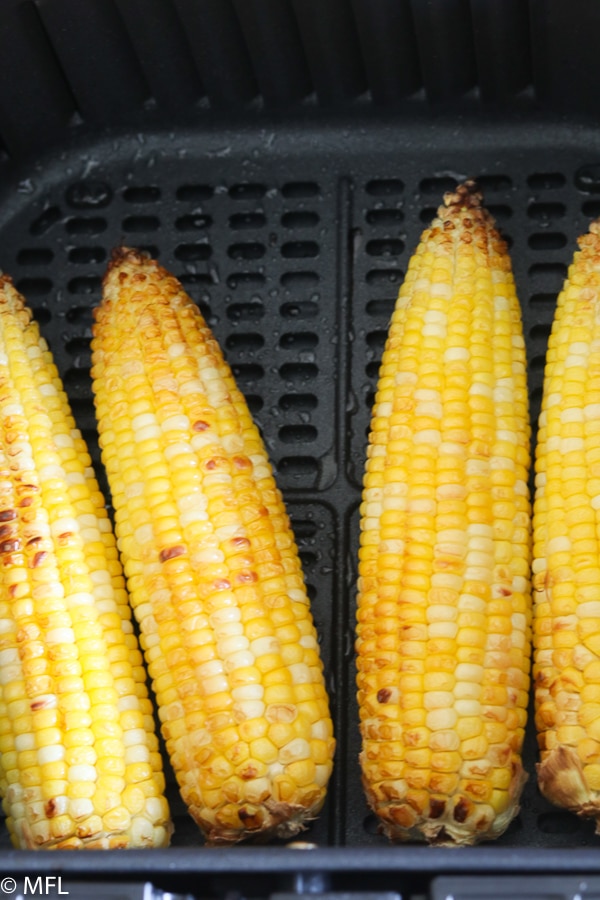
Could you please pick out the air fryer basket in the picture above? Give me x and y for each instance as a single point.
(281, 157)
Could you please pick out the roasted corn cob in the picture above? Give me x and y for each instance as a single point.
(566, 565)
(79, 758)
(443, 621)
(212, 567)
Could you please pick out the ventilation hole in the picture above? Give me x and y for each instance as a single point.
(298, 341)
(300, 249)
(538, 362)
(376, 340)
(79, 347)
(45, 221)
(299, 279)
(193, 222)
(41, 314)
(386, 247)
(384, 187)
(86, 225)
(298, 434)
(34, 256)
(300, 219)
(381, 307)
(591, 208)
(142, 194)
(77, 381)
(87, 256)
(546, 181)
(88, 194)
(240, 221)
(247, 250)
(255, 403)
(428, 214)
(438, 185)
(81, 406)
(206, 311)
(300, 189)
(194, 279)
(304, 529)
(384, 276)
(34, 287)
(558, 823)
(298, 402)
(141, 224)
(298, 467)
(372, 368)
(299, 309)
(308, 558)
(548, 270)
(587, 178)
(87, 284)
(245, 312)
(384, 216)
(247, 191)
(488, 183)
(536, 399)
(540, 332)
(245, 279)
(311, 593)
(543, 300)
(371, 824)
(247, 372)
(245, 343)
(298, 372)
(547, 240)
(544, 213)
(80, 315)
(194, 192)
(193, 252)
(500, 211)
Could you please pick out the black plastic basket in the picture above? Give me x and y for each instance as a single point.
(281, 157)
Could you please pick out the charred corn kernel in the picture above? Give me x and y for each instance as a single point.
(443, 620)
(69, 662)
(566, 567)
(212, 566)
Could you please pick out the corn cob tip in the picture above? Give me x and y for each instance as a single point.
(122, 255)
(466, 196)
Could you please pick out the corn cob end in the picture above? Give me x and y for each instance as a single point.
(267, 822)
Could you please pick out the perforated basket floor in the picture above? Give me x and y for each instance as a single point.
(294, 243)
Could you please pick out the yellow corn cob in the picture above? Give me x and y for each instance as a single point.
(566, 566)
(444, 590)
(79, 760)
(212, 567)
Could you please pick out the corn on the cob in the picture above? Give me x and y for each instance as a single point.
(566, 564)
(212, 567)
(444, 589)
(79, 759)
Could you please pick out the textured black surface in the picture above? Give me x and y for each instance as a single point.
(294, 241)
